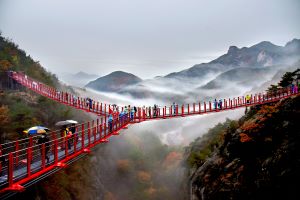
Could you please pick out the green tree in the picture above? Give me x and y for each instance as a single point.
(286, 79)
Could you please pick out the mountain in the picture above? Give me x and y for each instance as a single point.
(79, 79)
(114, 81)
(238, 76)
(84, 75)
(259, 55)
(248, 67)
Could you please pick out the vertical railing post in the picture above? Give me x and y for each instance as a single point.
(0, 156)
(89, 134)
(55, 151)
(204, 107)
(188, 109)
(10, 170)
(30, 141)
(209, 106)
(105, 123)
(139, 110)
(66, 141)
(101, 124)
(43, 156)
(194, 107)
(75, 141)
(199, 107)
(29, 151)
(82, 136)
(94, 132)
(17, 152)
(98, 128)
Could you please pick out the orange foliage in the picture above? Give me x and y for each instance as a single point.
(173, 158)
(151, 191)
(267, 110)
(244, 137)
(123, 166)
(144, 176)
(109, 196)
(5, 65)
(249, 125)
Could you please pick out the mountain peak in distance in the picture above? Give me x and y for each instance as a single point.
(114, 81)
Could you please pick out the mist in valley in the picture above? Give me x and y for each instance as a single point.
(146, 160)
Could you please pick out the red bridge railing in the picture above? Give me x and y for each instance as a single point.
(23, 161)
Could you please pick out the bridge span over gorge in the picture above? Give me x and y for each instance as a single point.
(24, 163)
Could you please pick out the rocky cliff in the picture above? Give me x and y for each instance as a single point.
(256, 157)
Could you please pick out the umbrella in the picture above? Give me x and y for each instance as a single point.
(72, 121)
(62, 123)
(36, 130)
(66, 122)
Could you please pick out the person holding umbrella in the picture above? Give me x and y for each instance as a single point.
(67, 133)
(43, 139)
(36, 130)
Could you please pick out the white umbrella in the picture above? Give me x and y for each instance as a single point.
(72, 121)
(62, 123)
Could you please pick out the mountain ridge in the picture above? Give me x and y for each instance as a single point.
(114, 81)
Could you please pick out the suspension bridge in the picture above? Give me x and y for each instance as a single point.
(24, 163)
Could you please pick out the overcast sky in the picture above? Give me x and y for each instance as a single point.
(144, 37)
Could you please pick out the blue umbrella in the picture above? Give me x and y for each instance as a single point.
(36, 130)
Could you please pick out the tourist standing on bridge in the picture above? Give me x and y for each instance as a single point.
(220, 104)
(87, 103)
(149, 111)
(65, 134)
(90, 104)
(174, 108)
(215, 104)
(248, 98)
(43, 139)
(132, 114)
(135, 109)
(121, 117)
(110, 123)
(74, 100)
(73, 131)
(155, 112)
(296, 88)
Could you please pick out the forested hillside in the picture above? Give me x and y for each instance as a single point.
(21, 108)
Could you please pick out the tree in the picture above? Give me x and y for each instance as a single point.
(273, 89)
(5, 65)
(4, 118)
(286, 79)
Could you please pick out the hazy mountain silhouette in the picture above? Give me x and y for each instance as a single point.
(114, 81)
(262, 54)
(247, 67)
(79, 79)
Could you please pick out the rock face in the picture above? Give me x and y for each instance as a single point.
(257, 159)
(114, 81)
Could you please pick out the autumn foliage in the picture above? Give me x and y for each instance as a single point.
(144, 177)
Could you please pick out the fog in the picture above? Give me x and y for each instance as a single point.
(146, 38)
